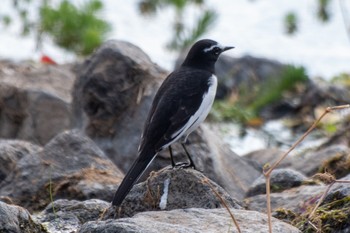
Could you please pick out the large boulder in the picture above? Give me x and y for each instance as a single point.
(69, 166)
(189, 221)
(173, 188)
(34, 101)
(244, 73)
(215, 159)
(111, 98)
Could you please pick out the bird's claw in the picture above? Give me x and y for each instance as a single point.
(184, 165)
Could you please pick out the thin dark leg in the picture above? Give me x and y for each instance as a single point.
(171, 157)
(188, 156)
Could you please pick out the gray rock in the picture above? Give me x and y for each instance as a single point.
(36, 116)
(66, 216)
(320, 93)
(297, 199)
(11, 151)
(215, 159)
(339, 191)
(57, 80)
(311, 163)
(189, 221)
(111, 98)
(244, 72)
(70, 166)
(234, 73)
(340, 137)
(268, 156)
(172, 188)
(15, 219)
(34, 101)
(280, 179)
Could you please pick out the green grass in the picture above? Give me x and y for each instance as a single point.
(253, 99)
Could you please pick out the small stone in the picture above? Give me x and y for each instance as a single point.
(280, 179)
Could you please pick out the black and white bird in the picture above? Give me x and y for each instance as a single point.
(182, 102)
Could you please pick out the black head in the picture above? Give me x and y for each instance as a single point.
(204, 54)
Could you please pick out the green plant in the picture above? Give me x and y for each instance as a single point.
(273, 89)
(226, 111)
(342, 79)
(252, 99)
(76, 28)
(291, 22)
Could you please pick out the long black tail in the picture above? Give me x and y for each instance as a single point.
(136, 170)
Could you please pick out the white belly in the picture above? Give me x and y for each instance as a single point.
(200, 115)
(204, 109)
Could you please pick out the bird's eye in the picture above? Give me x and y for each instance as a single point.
(216, 51)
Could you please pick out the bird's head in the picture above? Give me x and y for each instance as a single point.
(204, 53)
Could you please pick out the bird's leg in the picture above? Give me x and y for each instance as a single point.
(188, 156)
(171, 157)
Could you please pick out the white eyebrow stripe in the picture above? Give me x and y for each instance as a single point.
(212, 47)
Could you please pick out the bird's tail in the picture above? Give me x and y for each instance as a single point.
(137, 168)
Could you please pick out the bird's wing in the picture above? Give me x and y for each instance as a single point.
(177, 100)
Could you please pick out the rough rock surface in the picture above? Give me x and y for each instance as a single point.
(339, 190)
(312, 162)
(173, 188)
(189, 221)
(69, 166)
(57, 80)
(34, 101)
(11, 151)
(296, 199)
(66, 216)
(280, 179)
(36, 116)
(15, 219)
(268, 156)
(215, 159)
(111, 98)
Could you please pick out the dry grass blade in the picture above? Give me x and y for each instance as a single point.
(206, 181)
(269, 171)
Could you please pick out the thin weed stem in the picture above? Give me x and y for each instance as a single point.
(223, 203)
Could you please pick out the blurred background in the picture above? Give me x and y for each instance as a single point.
(312, 33)
(308, 40)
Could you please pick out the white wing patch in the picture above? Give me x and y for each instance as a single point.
(200, 114)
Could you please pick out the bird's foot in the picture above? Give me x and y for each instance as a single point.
(184, 165)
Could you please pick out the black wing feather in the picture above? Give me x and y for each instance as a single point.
(176, 101)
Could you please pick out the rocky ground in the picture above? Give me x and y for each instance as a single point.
(70, 132)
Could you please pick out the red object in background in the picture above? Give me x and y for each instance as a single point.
(47, 60)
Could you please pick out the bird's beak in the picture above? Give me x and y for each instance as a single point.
(227, 48)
